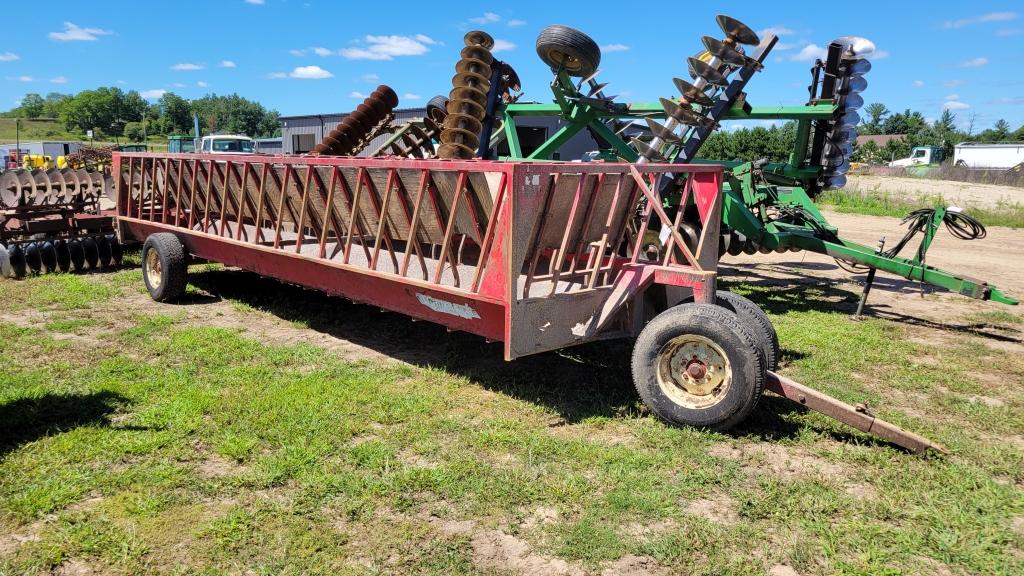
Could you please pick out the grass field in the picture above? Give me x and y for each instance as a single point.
(875, 203)
(35, 130)
(141, 438)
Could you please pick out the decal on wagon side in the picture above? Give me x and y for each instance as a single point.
(443, 306)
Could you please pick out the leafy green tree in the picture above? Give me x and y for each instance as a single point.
(876, 112)
(134, 131)
(32, 105)
(177, 113)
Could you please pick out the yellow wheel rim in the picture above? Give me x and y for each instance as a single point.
(693, 371)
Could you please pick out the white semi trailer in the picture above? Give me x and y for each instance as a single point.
(988, 156)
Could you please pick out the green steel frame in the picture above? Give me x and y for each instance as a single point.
(747, 199)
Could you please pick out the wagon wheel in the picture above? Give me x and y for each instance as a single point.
(699, 365)
(164, 266)
(562, 47)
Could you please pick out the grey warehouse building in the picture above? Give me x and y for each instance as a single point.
(299, 134)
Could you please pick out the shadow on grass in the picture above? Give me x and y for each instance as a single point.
(801, 294)
(591, 380)
(27, 419)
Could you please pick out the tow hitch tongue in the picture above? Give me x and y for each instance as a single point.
(859, 417)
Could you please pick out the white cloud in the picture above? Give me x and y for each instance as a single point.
(371, 77)
(776, 30)
(227, 64)
(8, 57)
(320, 51)
(355, 94)
(202, 84)
(516, 23)
(73, 33)
(388, 47)
(487, 18)
(918, 83)
(277, 75)
(297, 52)
(614, 48)
(952, 83)
(254, 2)
(974, 62)
(178, 85)
(187, 66)
(880, 55)
(411, 96)
(21, 78)
(1009, 100)
(953, 97)
(955, 105)
(58, 80)
(502, 45)
(154, 94)
(1009, 32)
(310, 73)
(989, 17)
(808, 53)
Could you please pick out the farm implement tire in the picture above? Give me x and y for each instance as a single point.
(164, 266)
(699, 365)
(758, 322)
(564, 47)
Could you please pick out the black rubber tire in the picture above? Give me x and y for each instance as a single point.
(437, 108)
(173, 266)
(91, 251)
(757, 321)
(16, 254)
(557, 42)
(63, 255)
(116, 253)
(32, 259)
(721, 327)
(77, 254)
(48, 255)
(103, 248)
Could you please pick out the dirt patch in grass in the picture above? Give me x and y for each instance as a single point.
(630, 565)
(720, 509)
(496, 550)
(539, 517)
(782, 461)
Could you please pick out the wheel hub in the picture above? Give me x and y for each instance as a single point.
(153, 268)
(693, 371)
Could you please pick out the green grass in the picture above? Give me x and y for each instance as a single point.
(36, 130)
(876, 203)
(170, 445)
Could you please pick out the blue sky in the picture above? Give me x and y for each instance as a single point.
(318, 56)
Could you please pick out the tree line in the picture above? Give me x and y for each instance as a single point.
(110, 111)
(776, 143)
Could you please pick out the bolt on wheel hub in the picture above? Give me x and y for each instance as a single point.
(694, 371)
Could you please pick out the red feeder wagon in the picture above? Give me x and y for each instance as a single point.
(538, 256)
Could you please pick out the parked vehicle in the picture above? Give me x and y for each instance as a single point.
(921, 155)
(988, 156)
(227, 144)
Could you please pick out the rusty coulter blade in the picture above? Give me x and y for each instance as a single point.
(662, 131)
(701, 69)
(692, 93)
(737, 31)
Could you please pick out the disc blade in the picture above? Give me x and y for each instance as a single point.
(692, 93)
(646, 151)
(684, 115)
(701, 69)
(723, 52)
(662, 131)
(736, 30)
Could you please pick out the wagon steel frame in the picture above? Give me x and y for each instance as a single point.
(536, 256)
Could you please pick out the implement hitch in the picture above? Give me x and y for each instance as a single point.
(857, 416)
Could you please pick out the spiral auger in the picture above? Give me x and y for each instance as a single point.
(467, 102)
(710, 71)
(359, 128)
(411, 140)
